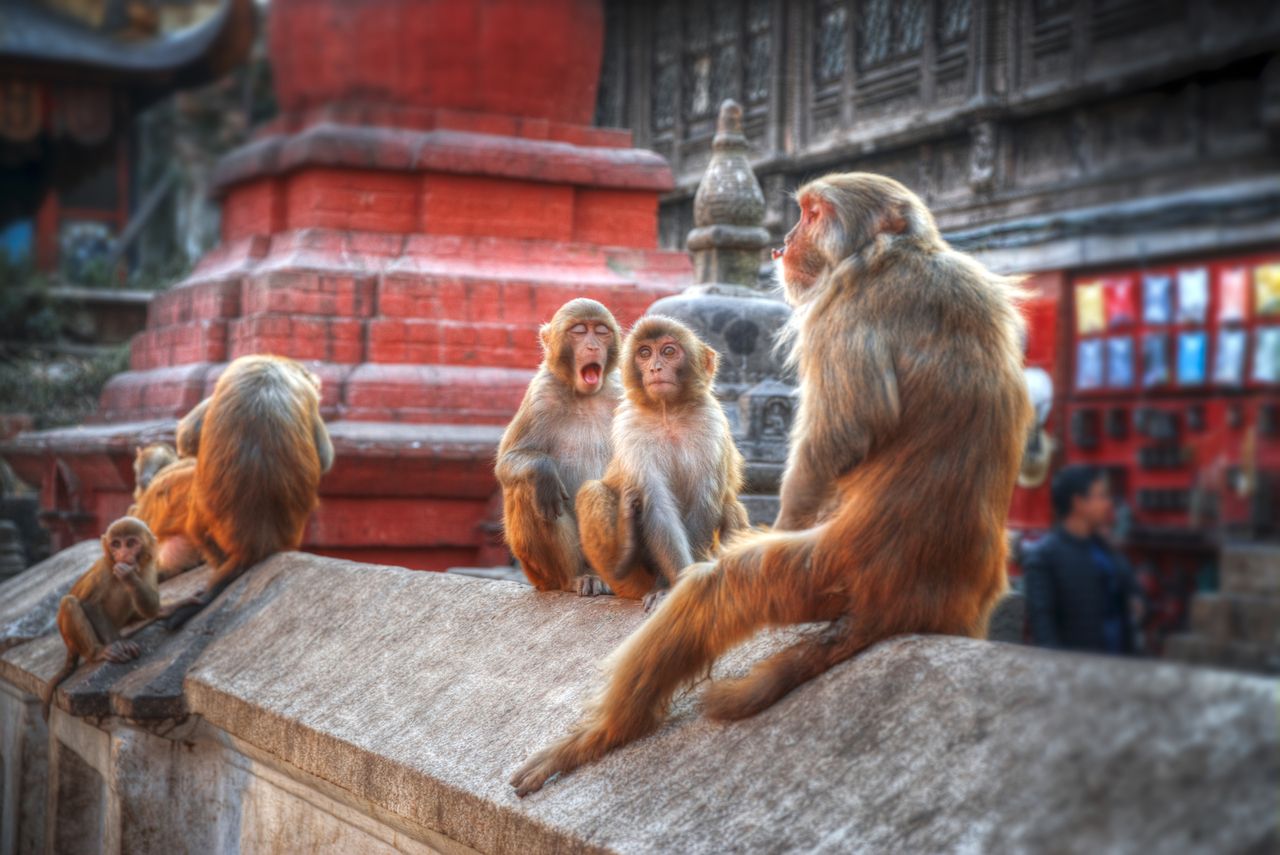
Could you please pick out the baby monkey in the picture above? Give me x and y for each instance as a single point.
(119, 588)
(669, 496)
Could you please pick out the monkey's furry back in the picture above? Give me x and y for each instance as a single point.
(258, 470)
(945, 413)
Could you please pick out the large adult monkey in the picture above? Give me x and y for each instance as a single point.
(558, 439)
(120, 587)
(260, 448)
(912, 418)
(670, 494)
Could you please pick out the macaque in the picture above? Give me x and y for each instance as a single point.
(120, 587)
(670, 493)
(165, 507)
(147, 463)
(260, 448)
(903, 457)
(558, 439)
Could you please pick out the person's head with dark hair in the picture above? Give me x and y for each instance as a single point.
(1081, 498)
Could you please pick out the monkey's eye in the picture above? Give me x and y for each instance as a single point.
(603, 331)
(578, 329)
(115, 544)
(644, 352)
(131, 542)
(669, 351)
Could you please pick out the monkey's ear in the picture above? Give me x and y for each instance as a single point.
(544, 335)
(710, 360)
(893, 221)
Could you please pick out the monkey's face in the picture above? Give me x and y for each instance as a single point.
(800, 258)
(588, 352)
(661, 363)
(124, 548)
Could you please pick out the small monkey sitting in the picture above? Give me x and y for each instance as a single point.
(119, 588)
(148, 462)
(670, 494)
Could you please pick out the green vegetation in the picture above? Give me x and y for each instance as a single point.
(60, 391)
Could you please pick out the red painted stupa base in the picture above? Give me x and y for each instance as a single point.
(408, 253)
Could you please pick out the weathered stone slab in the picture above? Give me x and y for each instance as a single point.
(1223, 653)
(29, 601)
(422, 693)
(417, 695)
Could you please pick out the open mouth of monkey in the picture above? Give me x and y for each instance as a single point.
(777, 253)
(591, 373)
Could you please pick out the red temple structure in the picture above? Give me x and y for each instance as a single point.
(430, 193)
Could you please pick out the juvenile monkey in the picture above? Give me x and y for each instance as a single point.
(165, 506)
(558, 439)
(119, 588)
(147, 463)
(260, 448)
(903, 457)
(670, 492)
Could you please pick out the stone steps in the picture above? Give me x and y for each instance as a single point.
(1238, 626)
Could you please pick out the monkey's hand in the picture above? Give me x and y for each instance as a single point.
(550, 496)
(121, 651)
(126, 573)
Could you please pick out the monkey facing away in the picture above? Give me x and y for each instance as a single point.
(671, 489)
(912, 415)
(558, 439)
(260, 448)
(148, 462)
(120, 587)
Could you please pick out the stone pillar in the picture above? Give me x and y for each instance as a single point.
(732, 312)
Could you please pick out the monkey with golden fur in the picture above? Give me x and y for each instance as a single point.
(260, 448)
(670, 494)
(119, 588)
(902, 463)
(165, 506)
(558, 439)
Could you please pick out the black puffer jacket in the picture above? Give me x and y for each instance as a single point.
(1069, 597)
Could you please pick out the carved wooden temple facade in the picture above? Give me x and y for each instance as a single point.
(997, 112)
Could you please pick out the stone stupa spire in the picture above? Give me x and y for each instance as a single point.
(728, 210)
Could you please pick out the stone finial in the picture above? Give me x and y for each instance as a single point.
(728, 210)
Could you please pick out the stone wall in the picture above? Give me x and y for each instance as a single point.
(333, 706)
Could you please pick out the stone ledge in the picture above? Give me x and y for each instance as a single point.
(418, 694)
(451, 151)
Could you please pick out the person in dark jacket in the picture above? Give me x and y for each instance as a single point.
(1078, 589)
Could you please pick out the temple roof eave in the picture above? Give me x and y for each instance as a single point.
(33, 36)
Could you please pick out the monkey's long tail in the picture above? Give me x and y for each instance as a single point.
(68, 668)
(711, 609)
(226, 573)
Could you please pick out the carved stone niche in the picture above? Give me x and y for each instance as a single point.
(730, 311)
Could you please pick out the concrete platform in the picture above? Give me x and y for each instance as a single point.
(387, 709)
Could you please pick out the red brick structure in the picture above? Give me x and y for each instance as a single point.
(430, 193)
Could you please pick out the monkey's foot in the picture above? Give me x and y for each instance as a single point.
(122, 651)
(590, 585)
(653, 599)
(554, 760)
